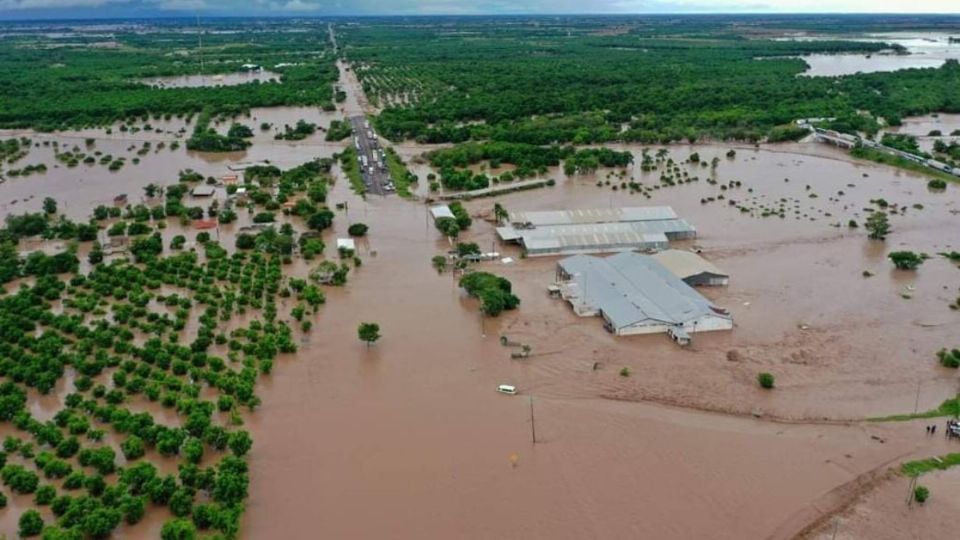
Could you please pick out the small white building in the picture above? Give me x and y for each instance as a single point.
(441, 211)
(346, 243)
(203, 190)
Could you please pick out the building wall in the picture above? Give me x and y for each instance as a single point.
(574, 250)
(707, 280)
(703, 324)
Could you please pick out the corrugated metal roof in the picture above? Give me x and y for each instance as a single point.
(630, 288)
(669, 226)
(685, 264)
(540, 218)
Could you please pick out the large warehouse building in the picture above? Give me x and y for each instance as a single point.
(637, 295)
(605, 230)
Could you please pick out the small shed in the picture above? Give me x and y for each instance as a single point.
(692, 268)
(346, 243)
(441, 211)
(203, 190)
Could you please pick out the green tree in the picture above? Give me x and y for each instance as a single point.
(31, 524)
(499, 213)
(240, 442)
(178, 529)
(368, 332)
(358, 229)
(878, 226)
(921, 494)
(49, 205)
(133, 447)
(765, 380)
(905, 260)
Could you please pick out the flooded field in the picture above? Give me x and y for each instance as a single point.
(926, 50)
(411, 429)
(882, 513)
(226, 79)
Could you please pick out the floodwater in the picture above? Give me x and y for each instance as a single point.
(225, 79)
(411, 432)
(882, 513)
(926, 50)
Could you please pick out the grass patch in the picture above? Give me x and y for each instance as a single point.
(950, 407)
(923, 466)
(348, 162)
(402, 177)
(901, 163)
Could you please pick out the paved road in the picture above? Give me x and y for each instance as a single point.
(375, 176)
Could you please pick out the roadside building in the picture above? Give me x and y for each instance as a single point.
(441, 211)
(691, 268)
(346, 244)
(634, 294)
(203, 190)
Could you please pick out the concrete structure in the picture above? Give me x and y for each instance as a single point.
(346, 243)
(637, 295)
(441, 211)
(203, 190)
(606, 230)
(691, 268)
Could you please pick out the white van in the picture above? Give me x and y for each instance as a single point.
(507, 389)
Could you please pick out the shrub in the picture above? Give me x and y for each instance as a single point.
(937, 184)
(358, 229)
(625, 372)
(30, 523)
(950, 359)
(921, 494)
(906, 260)
(765, 380)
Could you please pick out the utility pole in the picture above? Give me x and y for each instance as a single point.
(533, 423)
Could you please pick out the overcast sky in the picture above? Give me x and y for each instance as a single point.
(119, 8)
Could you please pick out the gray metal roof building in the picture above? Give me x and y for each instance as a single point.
(540, 218)
(636, 295)
(567, 232)
(691, 268)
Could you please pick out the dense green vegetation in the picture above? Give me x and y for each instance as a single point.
(399, 173)
(189, 331)
(339, 130)
(543, 81)
(206, 139)
(494, 292)
(350, 167)
(48, 83)
(923, 466)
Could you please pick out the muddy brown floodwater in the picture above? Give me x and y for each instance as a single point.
(408, 439)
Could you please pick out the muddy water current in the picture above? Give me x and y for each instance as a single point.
(408, 439)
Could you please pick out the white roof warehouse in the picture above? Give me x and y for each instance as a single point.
(636, 295)
(566, 232)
